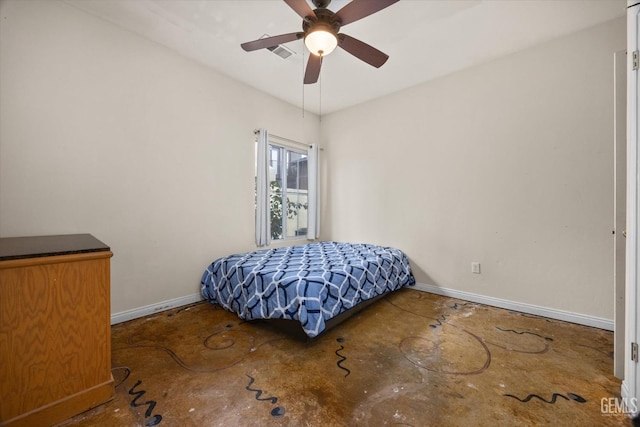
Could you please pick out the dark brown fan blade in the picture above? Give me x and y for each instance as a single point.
(313, 69)
(301, 7)
(363, 51)
(271, 41)
(358, 9)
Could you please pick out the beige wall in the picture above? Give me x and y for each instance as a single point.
(509, 164)
(106, 133)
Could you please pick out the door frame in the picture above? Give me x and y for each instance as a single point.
(619, 207)
(631, 381)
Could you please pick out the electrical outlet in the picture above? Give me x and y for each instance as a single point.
(475, 267)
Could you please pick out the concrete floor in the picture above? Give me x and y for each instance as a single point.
(411, 359)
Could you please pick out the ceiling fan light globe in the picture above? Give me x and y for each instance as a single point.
(321, 42)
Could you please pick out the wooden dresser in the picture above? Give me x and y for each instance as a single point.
(55, 333)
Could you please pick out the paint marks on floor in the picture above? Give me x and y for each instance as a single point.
(342, 358)
(520, 341)
(442, 352)
(150, 419)
(554, 397)
(439, 321)
(411, 356)
(278, 411)
(523, 332)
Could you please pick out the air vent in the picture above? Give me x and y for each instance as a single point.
(280, 50)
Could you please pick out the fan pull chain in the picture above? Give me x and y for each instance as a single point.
(320, 96)
(303, 80)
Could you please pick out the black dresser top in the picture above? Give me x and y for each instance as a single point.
(41, 246)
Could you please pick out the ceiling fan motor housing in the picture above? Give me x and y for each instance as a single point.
(321, 3)
(325, 20)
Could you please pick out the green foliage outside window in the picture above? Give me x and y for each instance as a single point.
(275, 204)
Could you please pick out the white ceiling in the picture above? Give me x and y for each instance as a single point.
(425, 39)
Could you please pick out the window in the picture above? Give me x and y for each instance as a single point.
(287, 196)
(289, 191)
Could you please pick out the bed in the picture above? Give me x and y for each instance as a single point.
(312, 284)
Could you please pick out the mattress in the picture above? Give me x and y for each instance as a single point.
(309, 283)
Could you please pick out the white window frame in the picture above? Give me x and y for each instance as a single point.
(295, 147)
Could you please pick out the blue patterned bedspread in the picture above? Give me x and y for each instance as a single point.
(309, 283)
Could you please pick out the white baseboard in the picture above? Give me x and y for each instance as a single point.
(552, 313)
(124, 316)
(567, 316)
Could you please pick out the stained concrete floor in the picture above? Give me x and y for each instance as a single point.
(411, 359)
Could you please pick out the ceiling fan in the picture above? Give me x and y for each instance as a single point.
(320, 31)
